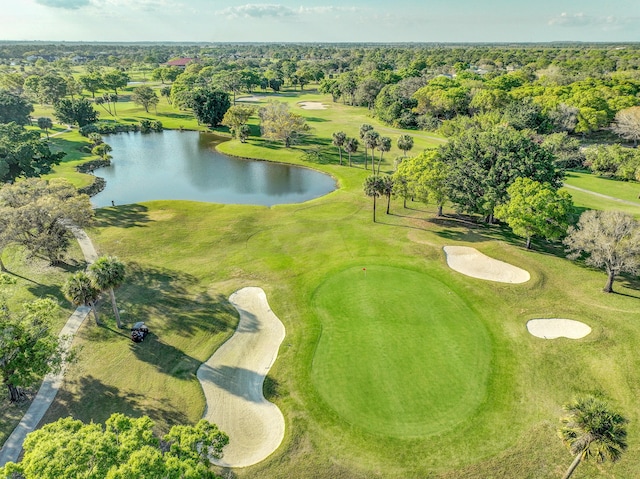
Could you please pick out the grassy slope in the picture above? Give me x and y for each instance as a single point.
(187, 257)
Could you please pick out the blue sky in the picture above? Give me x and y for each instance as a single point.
(322, 21)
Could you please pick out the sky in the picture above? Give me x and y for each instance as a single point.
(321, 21)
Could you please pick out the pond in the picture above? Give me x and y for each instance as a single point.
(183, 165)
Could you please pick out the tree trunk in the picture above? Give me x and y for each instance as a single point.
(116, 313)
(15, 393)
(528, 242)
(374, 208)
(439, 210)
(3, 268)
(573, 466)
(366, 159)
(95, 312)
(608, 288)
(349, 159)
(379, 161)
(340, 151)
(388, 202)
(404, 202)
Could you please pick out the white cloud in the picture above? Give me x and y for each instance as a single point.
(258, 10)
(66, 4)
(583, 20)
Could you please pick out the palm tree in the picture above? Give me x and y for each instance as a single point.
(592, 429)
(339, 138)
(373, 188)
(351, 146)
(107, 273)
(370, 141)
(405, 143)
(387, 189)
(80, 290)
(383, 145)
(364, 128)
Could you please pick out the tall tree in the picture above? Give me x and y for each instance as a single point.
(38, 211)
(370, 141)
(92, 82)
(364, 128)
(209, 106)
(387, 189)
(45, 123)
(82, 291)
(30, 348)
(627, 124)
(22, 154)
(237, 116)
(14, 108)
(278, 123)
(382, 145)
(609, 239)
(592, 430)
(124, 448)
(145, 96)
(535, 209)
(425, 177)
(405, 143)
(339, 139)
(75, 112)
(115, 79)
(351, 147)
(483, 164)
(107, 273)
(373, 187)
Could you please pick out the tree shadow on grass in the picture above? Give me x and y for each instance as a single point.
(174, 300)
(165, 358)
(126, 216)
(81, 404)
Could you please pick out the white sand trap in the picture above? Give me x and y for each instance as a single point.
(251, 98)
(312, 105)
(232, 382)
(557, 328)
(471, 262)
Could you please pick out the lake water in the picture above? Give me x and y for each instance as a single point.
(183, 165)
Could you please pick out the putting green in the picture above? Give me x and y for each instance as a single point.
(400, 353)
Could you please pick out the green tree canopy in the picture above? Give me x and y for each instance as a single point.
(124, 448)
(145, 96)
(483, 164)
(30, 349)
(423, 177)
(22, 154)
(75, 112)
(209, 106)
(535, 209)
(14, 108)
(237, 116)
(37, 212)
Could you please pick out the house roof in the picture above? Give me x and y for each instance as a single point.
(179, 62)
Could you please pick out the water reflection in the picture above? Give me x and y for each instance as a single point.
(176, 165)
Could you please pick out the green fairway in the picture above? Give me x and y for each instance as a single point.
(400, 352)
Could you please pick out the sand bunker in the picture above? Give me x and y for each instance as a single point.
(312, 105)
(470, 262)
(232, 382)
(251, 98)
(557, 328)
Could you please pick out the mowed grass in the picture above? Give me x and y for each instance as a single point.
(185, 258)
(400, 352)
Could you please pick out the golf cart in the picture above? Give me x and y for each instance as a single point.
(139, 331)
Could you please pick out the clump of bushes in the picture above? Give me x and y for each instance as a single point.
(147, 126)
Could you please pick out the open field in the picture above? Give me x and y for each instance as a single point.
(417, 372)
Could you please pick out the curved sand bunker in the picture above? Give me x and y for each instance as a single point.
(557, 328)
(232, 382)
(312, 105)
(471, 262)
